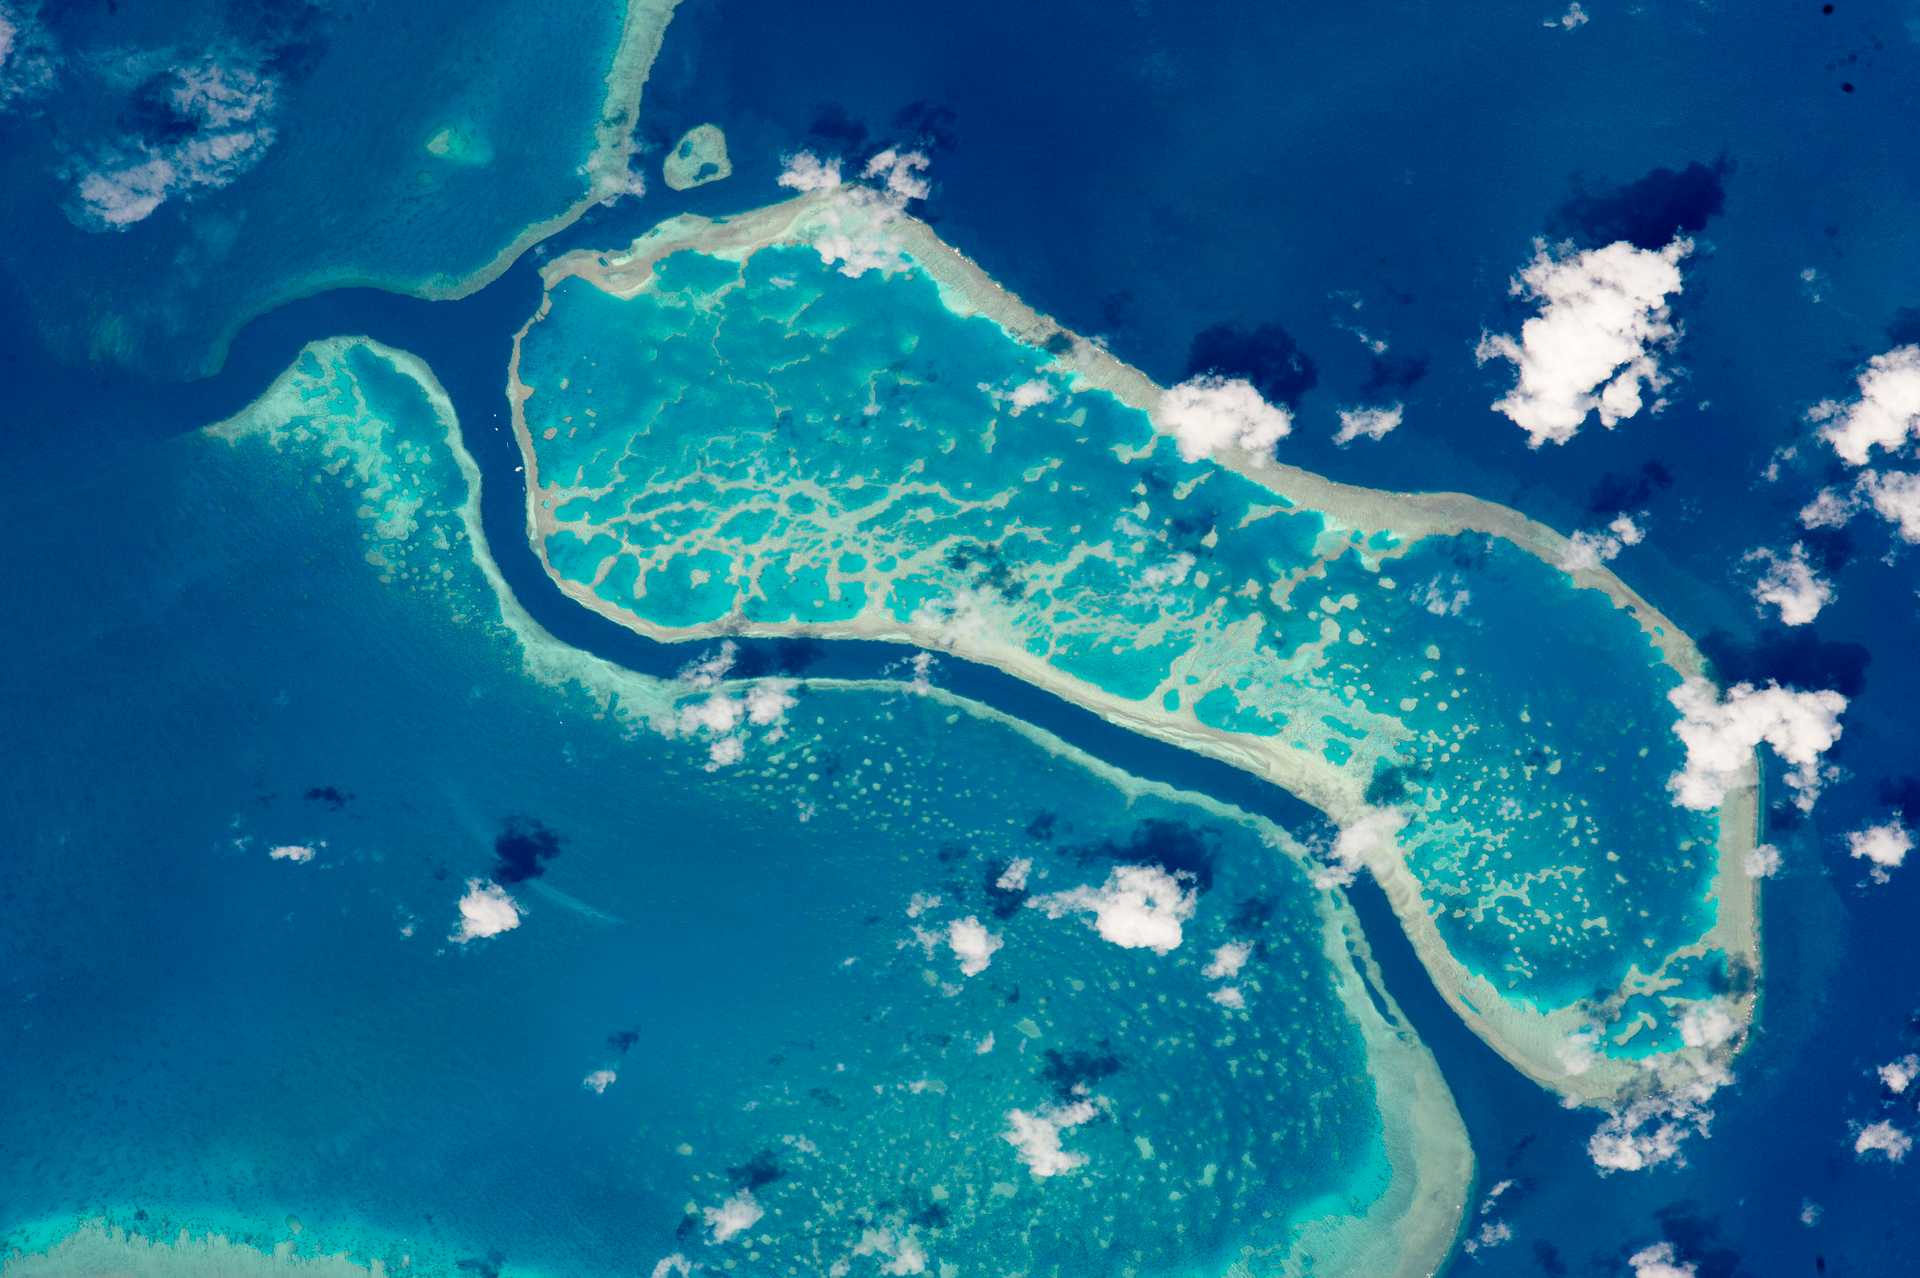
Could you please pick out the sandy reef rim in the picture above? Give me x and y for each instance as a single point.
(1531, 1041)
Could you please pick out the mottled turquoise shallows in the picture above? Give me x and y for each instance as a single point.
(749, 927)
(776, 443)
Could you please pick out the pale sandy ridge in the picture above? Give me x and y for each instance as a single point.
(1533, 1042)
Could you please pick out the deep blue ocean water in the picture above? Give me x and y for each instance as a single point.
(1146, 175)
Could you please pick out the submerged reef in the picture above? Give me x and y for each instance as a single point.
(818, 419)
(913, 984)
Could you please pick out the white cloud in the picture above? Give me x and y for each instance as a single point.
(901, 174)
(1886, 846)
(900, 1249)
(298, 853)
(227, 109)
(855, 230)
(1885, 414)
(1227, 961)
(1894, 495)
(708, 670)
(1830, 508)
(1762, 861)
(1036, 1137)
(1720, 736)
(736, 1215)
(768, 702)
(599, 1081)
(1882, 1138)
(1444, 598)
(1014, 877)
(1897, 1076)
(29, 58)
(1896, 498)
(1594, 346)
(972, 944)
(1672, 1100)
(486, 910)
(1138, 907)
(804, 171)
(668, 1266)
(1368, 423)
(1208, 413)
(1572, 20)
(1229, 996)
(1588, 550)
(1030, 394)
(1659, 1261)
(1790, 584)
(716, 713)
(1368, 838)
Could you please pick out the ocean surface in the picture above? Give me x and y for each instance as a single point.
(217, 649)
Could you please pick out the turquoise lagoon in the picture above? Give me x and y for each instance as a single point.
(735, 1022)
(750, 439)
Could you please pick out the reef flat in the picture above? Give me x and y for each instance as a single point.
(818, 419)
(795, 974)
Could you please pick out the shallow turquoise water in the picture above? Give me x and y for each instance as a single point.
(777, 443)
(203, 1034)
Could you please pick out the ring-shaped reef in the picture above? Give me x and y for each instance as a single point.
(818, 419)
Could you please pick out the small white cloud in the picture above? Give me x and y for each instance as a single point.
(1138, 907)
(1208, 413)
(29, 57)
(298, 853)
(1594, 346)
(1885, 414)
(1229, 996)
(1227, 961)
(1830, 508)
(1368, 423)
(736, 1215)
(599, 1081)
(1036, 1137)
(1898, 1076)
(1659, 1261)
(1672, 1100)
(856, 230)
(1444, 597)
(1030, 394)
(1587, 550)
(768, 702)
(804, 171)
(670, 1266)
(1014, 877)
(972, 944)
(1720, 737)
(1896, 498)
(1572, 20)
(1882, 1138)
(1762, 861)
(716, 713)
(901, 174)
(898, 1248)
(223, 111)
(1790, 584)
(1885, 846)
(1371, 837)
(486, 910)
